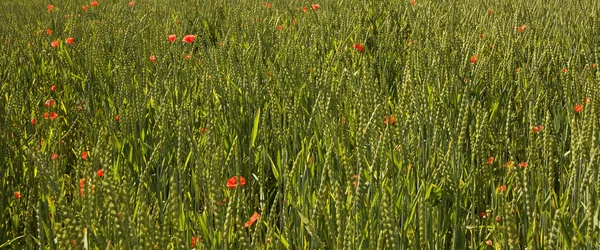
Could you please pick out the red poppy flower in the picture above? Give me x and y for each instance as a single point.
(48, 32)
(517, 70)
(172, 38)
(587, 100)
(413, 2)
(358, 47)
(189, 38)
(100, 173)
(50, 7)
(153, 58)
(117, 118)
(473, 59)
(194, 241)
(501, 188)
(17, 195)
(268, 5)
(385, 120)
(70, 40)
(53, 116)
(508, 164)
(490, 160)
(253, 219)
(84, 155)
(392, 119)
(54, 156)
(131, 4)
(33, 121)
(316, 6)
(535, 129)
(232, 182)
(483, 215)
(489, 242)
(242, 181)
(280, 27)
(53, 88)
(187, 57)
(521, 28)
(49, 103)
(55, 44)
(523, 164)
(490, 12)
(578, 108)
(540, 128)
(564, 70)
(355, 177)
(94, 3)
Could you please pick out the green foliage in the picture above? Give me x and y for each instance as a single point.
(344, 125)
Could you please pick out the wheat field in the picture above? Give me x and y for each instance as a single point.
(410, 124)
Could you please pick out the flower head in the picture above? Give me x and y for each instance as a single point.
(70, 40)
(53, 88)
(578, 108)
(48, 32)
(50, 8)
(51, 115)
(131, 4)
(523, 164)
(232, 182)
(55, 44)
(521, 28)
(490, 160)
(54, 156)
(253, 219)
(242, 181)
(84, 8)
(473, 59)
(152, 58)
(94, 3)
(172, 38)
(100, 173)
(490, 12)
(358, 47)
(49, 103)
(501, 188)
(189, 38)
(315, 6)
(194, 241)
(84, 155)
(33, 121)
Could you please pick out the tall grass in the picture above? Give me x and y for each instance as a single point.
(380, 125)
